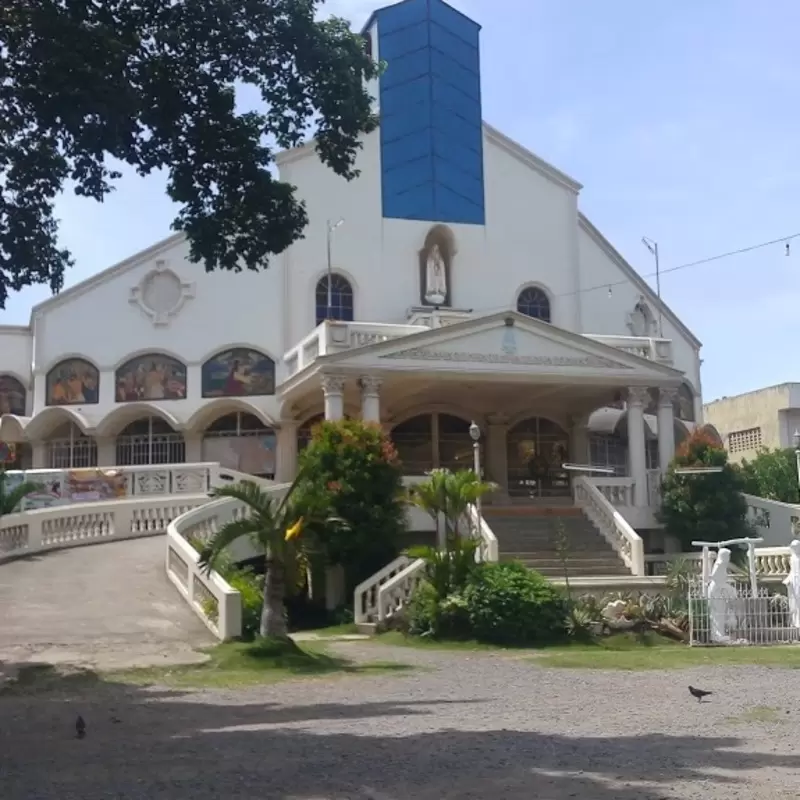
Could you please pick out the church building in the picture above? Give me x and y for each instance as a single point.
(455, 281)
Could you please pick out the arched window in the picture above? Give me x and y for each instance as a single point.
(533, 302)
(150, 440)
(341, 303)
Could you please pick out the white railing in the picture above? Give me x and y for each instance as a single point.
(771, 562)
(337, 337)
(388, 591)
(618, 491)
(217, 604)
(31, 532)
(611, 524)
(65, 487)
(366, 593)
(775, 522)
(658, 350)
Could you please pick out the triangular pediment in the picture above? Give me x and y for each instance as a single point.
(508, 343)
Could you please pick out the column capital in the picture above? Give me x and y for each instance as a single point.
(497, 418)
(370, 385)
(287, 424)
(667, 397)
(638, 396)
(333, 384)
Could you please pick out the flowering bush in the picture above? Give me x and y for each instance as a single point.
(352, 469)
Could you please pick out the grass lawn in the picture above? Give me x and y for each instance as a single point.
(621, 652)
(231, 665)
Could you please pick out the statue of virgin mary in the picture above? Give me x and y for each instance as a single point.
(435, 277)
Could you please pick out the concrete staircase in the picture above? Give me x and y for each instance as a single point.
(528, 534)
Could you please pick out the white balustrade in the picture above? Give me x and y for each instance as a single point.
(366, 593)
(332, 336)
(771, 562)
(395, 593)
(618, 491)
(611, 524)
(30, 532)
(99, 484)
(653, 349)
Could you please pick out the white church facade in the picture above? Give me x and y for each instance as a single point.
(456, 280)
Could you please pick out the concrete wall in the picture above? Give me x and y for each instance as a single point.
(766, 410)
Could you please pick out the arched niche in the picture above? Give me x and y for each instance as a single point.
(436, 266)
(12, 396)
(72, 382)
(238, 372)
(151, 376)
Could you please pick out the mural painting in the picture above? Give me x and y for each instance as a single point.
(12, 396)
(151, 377)
(239, 372)
(74, 382)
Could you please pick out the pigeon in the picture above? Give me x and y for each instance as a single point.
(80, 727)
(699, 693)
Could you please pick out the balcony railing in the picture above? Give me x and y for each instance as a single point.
(338, 337)
(658, 350)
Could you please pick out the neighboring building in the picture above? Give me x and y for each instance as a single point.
(754, 420)
(466, 285)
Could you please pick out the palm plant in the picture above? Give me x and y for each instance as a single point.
(275, 525)
(448, 495)
(12, 495)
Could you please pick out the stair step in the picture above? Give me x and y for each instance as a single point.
(596, 561)
(578, 572)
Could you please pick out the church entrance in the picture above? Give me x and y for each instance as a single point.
(537, 449)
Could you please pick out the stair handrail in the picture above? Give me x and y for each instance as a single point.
(488, 547)
(614, 528)
(396, 592)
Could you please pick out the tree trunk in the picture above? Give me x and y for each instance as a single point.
(273, 610)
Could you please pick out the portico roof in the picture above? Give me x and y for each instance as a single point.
(505, 346)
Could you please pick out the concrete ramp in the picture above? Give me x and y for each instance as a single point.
(106, 606)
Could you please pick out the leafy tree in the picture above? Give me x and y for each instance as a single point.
(274, 524)
(11, 494)
(446, 494)
(351, 468)
(87, 86)
(707, 507)
(772, 474)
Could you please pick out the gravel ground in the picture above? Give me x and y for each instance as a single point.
(465, 725)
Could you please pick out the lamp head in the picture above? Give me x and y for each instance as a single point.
(474, 431)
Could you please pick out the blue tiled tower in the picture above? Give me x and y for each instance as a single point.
(430, 109)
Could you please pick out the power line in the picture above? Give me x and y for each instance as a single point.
(688, 265)
(609, 286)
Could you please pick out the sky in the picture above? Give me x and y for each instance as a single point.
(680, 119)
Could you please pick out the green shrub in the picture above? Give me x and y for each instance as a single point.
(441, 618)
(509, 604)
(251, 587)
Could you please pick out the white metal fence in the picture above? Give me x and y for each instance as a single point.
(739, 617)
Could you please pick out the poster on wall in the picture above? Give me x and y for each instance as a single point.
(49, 494)
(90, 485)
(252, 454)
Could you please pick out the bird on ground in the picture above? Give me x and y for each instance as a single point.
(80, 727)
(699, 693)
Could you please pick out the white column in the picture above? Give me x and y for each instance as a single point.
(333, 390)
(106, 451)
(39, 452)
(286, 455)
(579, 441)
(496, 454)
(370, 398)
(194, 447)
(638, 397)
(666, 428)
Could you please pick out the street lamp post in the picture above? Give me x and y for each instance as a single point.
(475, 434)
(796, 443)
(331, 227)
